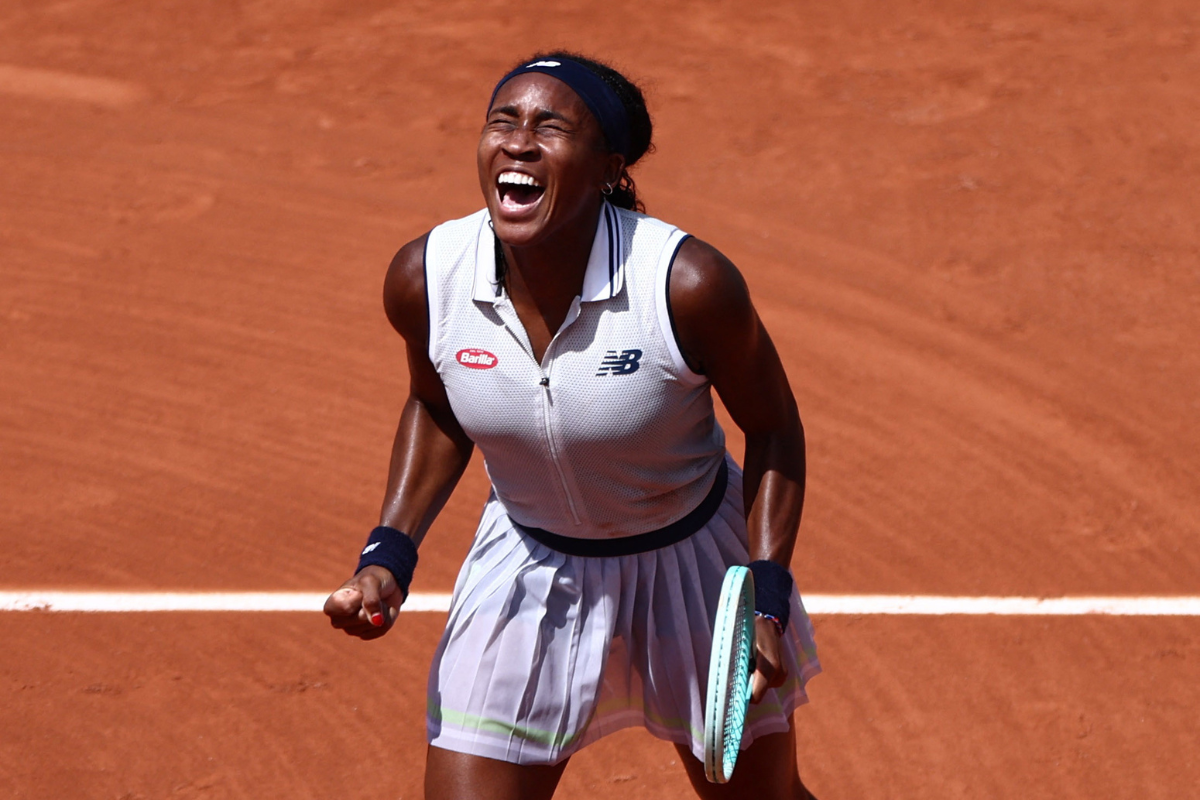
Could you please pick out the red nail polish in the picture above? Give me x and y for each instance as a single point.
(377, 619)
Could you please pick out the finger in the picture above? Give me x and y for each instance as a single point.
(390, 595)
(769, 647)
(780, 676)
(372, 633)
(391, 607)
(364, 630)
(763, 676)
(349, 622)
(361, 628)
(769, 671)
(355, 627)
(766, 662)
(770, 665)
(387, 582)
(392, 602)
(372, 606)
(758, 686)
(345, 602)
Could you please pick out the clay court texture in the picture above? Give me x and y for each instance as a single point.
(972, 230)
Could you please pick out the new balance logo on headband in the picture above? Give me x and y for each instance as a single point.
(544, 64)
(623, 363)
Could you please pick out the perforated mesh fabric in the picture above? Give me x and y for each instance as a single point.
(611, 435)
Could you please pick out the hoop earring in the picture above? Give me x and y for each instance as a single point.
(608, 189)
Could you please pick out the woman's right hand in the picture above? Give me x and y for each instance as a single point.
(366, 605)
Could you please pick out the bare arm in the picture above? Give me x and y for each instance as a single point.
(722, 337)
(431, 450)
(429, 453)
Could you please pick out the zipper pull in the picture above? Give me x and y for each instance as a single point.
(545, 381)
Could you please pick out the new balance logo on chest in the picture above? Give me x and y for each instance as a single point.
(622, 363)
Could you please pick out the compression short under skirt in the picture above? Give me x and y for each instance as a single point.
(544, 652)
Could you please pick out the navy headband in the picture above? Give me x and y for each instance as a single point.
(595, 93)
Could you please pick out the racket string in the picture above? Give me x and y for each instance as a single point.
(738, 686)
(730, 667)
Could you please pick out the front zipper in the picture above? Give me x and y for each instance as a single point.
(544, 382)
(546, 404)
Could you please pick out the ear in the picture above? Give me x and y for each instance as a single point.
(614, 168)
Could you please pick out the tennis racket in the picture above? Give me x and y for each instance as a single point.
(729, 669)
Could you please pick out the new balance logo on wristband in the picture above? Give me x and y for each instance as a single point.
(369, 548)
(623, 363)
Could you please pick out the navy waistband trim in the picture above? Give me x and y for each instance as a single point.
(642, 542)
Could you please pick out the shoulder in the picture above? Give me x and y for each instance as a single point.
(405, 295)
(703, 279)
(404, 291)
(706, 286)
(710, 302)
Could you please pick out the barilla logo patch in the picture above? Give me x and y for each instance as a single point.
(476, 359)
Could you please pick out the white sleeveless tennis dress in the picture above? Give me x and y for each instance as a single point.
(610, 439)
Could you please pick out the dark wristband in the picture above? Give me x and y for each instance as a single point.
(393, 550)
(772, 591)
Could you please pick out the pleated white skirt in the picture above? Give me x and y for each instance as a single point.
(545, 652)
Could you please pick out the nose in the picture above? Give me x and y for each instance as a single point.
(519, 143)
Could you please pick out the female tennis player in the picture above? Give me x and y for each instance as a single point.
(576, 341)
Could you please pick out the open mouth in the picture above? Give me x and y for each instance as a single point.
(518, 191)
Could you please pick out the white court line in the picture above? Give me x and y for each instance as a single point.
(817, 604)
(189, 601)
(820, 604)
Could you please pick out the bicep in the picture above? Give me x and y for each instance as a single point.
(721, 335)
(406, 305)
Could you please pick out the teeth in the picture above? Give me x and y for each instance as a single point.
(517, 178)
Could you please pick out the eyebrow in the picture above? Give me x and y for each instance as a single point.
(541, 115)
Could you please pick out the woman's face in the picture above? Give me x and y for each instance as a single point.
(542, 160)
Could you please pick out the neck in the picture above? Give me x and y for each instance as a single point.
(549, 274)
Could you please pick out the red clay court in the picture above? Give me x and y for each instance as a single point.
(972, 232)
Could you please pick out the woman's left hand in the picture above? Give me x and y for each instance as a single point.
(770, 672)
